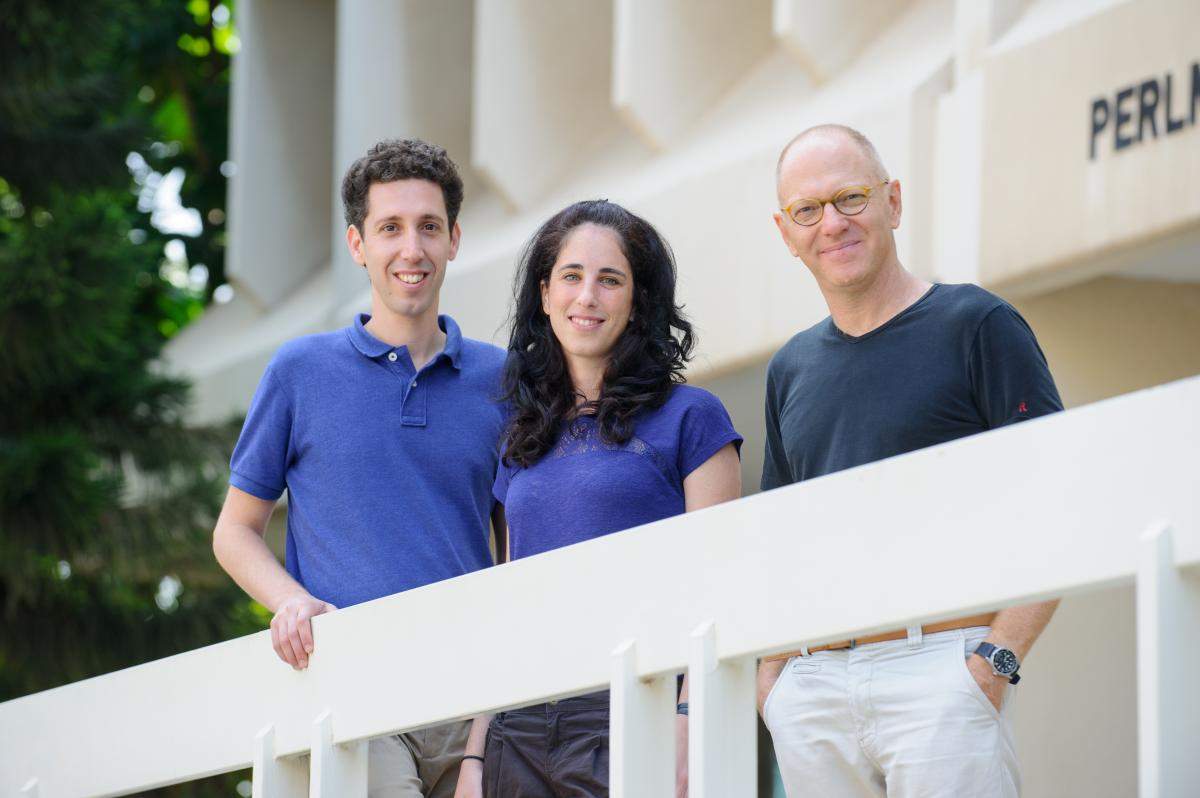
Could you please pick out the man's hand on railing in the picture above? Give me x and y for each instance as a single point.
(239, 546)
(291, 628)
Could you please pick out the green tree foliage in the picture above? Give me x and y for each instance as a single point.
(107, 499)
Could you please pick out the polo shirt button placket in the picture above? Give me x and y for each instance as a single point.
(413, 403)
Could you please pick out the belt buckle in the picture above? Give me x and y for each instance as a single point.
(853, 643)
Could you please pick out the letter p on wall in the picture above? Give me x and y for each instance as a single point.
(1100, 116)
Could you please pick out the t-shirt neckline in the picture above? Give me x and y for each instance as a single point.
(854, 339)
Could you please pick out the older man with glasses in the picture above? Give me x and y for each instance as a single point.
(900, 364)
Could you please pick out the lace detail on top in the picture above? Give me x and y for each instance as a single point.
(583, 437)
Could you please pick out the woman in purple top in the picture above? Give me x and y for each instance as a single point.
(603, 436)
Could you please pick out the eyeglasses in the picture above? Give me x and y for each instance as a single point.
(849, 201)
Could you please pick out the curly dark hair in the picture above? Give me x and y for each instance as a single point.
(646, 361)
(400, 159)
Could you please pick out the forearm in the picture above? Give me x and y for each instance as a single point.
(1018, 628)
(768, 673)
(477, 739)
(681, 743)
(470, 772)
(500, 533)
(245, 556)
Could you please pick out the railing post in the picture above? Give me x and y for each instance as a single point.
(338, 771)
(642, 730)
(1168, 642)
(273, 777)
(30, 790)
(722, 737)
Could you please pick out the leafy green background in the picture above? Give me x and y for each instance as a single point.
(107, 499)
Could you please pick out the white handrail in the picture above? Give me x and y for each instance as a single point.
(1057, 504)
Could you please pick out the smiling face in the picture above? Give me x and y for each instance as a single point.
(843, 252)
(405, 243)
(589, 294)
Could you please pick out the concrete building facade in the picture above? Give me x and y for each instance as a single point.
(1048, 150)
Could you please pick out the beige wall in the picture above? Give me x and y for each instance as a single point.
(1114, 335)
(1045, 203)
(1104, 337)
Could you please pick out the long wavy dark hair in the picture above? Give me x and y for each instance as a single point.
(646, 361)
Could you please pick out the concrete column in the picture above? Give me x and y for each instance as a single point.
(541, 92)
(281, 122)
(403, 71)
(824, 37)
(977, 24)
(673, 58)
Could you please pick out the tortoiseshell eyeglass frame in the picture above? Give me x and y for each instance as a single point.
(835, 199)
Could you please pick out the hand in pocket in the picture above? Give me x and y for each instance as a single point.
(992, 685)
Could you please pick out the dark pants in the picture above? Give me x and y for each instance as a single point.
(555, 750)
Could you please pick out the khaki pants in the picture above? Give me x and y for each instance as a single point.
(418, 764)
(901, 719)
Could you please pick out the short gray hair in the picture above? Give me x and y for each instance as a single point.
(861, 141)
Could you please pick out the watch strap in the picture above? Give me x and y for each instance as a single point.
(985, 650)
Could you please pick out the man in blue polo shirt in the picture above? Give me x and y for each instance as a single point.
(384, 435)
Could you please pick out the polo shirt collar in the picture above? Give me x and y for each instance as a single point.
(453, 349)
(372, 347)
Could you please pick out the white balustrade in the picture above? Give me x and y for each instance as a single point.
(1067, 495)
(1168, 615)
(276, 777)
(339, 770)
(642, 743)
(721, 730)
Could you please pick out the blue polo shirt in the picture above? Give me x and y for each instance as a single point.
(388, 470)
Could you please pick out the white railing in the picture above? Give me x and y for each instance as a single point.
(1087, 499)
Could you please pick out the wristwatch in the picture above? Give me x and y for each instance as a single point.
(1003, 661)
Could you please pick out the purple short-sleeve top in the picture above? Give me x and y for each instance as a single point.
(585, 487)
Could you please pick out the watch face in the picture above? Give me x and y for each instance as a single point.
(1004, 661)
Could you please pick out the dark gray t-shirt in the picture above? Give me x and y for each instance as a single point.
(958, 361)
